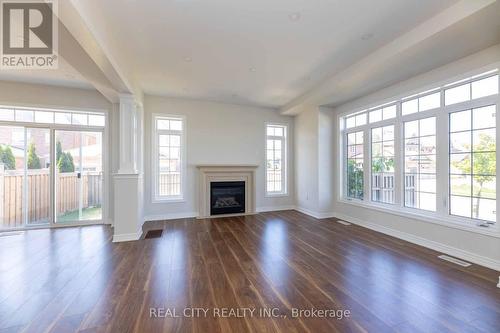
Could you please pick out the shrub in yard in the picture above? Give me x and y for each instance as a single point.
(33, 159)
(65, 163)
(7, 158)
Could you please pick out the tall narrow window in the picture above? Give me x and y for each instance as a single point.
(420, 163)
(355, 174)
(383, 164)
(169, 133)
(276, 159)
(473, 163)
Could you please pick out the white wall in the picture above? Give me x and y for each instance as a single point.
(36, 95)
(216, 134)
(315, 161)
(483, 249)
(306, 160)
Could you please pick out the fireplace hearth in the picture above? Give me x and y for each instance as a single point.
(227, 197)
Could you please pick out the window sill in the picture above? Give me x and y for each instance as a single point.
(275, 195)
(492, 231)
(168, 200)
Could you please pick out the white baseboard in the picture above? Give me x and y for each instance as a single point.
(170, 216)
(185, 215)
(318, 215)
(450, 250)
(273, 208)
(127, 237)
(453, 251)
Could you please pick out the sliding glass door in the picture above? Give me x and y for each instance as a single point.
(50, 173)
(37, 177)
(24, 176)
(79, 176)
(12, 171)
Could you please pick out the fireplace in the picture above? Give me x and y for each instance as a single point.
(227, 197)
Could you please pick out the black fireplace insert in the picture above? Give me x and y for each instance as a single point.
(227, 198)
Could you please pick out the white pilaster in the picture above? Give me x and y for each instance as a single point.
(128, 135)
(128, 182)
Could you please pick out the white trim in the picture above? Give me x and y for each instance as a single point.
(284, 158)
(316, 215)
(185, 215)
(276, 195)
(469, 76)
(215, 173)
(155, 198)
(169, 216)
(168, 200)
(427, 217)
(127, 175)
(274, 208)
(442, 215)
(450, 250)
(52, 128)
(128, 237)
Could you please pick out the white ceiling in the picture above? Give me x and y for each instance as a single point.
(249, 52)
(457, 32)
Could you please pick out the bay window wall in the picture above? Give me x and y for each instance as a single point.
(431, 154)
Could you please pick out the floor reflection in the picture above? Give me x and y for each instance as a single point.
(274, 248)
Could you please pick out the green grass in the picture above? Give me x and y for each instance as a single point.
(91, 213)
(465, 190)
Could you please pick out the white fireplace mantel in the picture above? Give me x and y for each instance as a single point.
(225, 172)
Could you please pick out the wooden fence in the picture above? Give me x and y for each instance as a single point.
(38, 195)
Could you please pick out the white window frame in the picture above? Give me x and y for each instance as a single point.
(441, 216)
(284, 159)
(370, 158)
(345, 185)
(155, 153)
(52, 127)
(414, 117)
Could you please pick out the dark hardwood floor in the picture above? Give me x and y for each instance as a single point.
(75, 279)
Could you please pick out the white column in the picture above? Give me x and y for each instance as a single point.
(128, 135)
(128, 183)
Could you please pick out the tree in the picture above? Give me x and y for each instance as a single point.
(355, 179)
(64, 160)
(65, 163)
(382, 164)
(33, 159)
(59, 151)
(484, 168)
(7, 158)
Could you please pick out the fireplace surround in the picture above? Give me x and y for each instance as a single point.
(208, 174)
